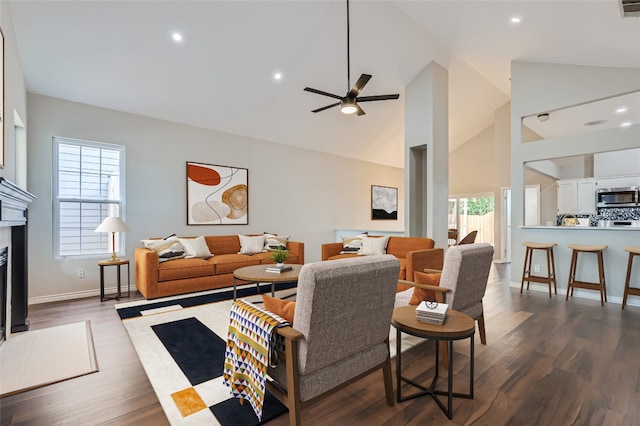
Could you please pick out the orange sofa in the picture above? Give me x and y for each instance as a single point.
(414, 254)
(178, 276)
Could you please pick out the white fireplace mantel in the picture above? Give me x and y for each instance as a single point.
(13, 204)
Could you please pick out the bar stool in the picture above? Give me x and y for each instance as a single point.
(628, 290)
(551, 266)
(573, 283)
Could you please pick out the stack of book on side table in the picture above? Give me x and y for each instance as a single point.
(278, 269)
(431, 315)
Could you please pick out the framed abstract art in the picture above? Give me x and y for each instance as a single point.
(217, 195)
(384, 203)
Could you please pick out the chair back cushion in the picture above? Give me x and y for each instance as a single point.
(465, 272)
(344, 307)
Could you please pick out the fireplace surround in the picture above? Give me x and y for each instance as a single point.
(14, 204)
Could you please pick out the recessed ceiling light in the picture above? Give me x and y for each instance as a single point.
(177, 37)
(543, 117)
(277, 76)
(626, 124)
(622, 110)
(515, 20)
(595, 122)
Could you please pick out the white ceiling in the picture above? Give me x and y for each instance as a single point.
(119, 55)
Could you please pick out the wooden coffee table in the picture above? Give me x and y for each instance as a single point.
(456, 326)
(258, 274)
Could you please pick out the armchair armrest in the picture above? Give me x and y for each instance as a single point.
(330, 249)
(441, 292)
(432, 271)
(289, 333)
(420, 260)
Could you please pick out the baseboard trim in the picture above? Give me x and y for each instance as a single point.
(583, 294)
(74, 295)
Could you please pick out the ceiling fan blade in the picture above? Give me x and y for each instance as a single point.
(357, 88)
(326, 107)
(377, 98)
(320, 92)
(359, 111)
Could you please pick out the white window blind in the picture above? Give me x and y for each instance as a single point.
(88, 186)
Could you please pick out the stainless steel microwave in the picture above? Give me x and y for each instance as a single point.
(619, 197)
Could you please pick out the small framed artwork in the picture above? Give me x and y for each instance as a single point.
(217, 195)
(384, 203)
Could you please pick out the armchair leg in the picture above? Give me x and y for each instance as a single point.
(388, 382)
(483, 333)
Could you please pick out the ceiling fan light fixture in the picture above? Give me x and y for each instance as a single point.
(348, 106)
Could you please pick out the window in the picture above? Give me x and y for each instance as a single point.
(88, 185)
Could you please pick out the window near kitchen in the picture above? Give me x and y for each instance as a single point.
(88, 185)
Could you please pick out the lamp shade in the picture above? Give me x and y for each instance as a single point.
(112, 224)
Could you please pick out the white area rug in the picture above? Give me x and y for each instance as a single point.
(37, 358)
(182, 402)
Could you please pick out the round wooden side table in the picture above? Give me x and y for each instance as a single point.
(456, 326)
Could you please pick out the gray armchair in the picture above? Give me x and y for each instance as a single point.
(463, 282)
(341, 330)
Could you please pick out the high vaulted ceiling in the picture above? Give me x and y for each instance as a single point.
(120, 55)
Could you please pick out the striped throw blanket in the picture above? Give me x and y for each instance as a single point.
(250, 348)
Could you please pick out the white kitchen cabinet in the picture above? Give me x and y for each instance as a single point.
(577, 196)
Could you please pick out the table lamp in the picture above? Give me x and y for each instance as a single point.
(113, 224)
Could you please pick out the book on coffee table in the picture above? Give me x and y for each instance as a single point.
(279, 269)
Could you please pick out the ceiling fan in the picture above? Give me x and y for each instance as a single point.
(349, 102)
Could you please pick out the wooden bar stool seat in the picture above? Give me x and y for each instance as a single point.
(550, 278)
(628, 290)
(573, 283)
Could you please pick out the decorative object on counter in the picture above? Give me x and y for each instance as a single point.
(628, 290)
(551, 266)
(569, 220)
(573, 283)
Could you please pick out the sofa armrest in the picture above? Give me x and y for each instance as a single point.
(146, 272)
(420, 260)
(331, 249)
(297, 248)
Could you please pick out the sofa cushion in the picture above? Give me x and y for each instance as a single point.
(251, 244)
(273, 242)
(374, 245)
(420, 294)
(195, 248)
(352, 243)
(184, 268)
(227, 263)
(399, 246)
(167, 249)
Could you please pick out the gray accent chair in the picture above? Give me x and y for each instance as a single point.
(463, 282)
(341, 330)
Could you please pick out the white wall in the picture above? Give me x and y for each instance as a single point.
(537, 87)
(617, 163)
(292, 191)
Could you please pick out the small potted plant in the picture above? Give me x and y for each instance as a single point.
(279, 256)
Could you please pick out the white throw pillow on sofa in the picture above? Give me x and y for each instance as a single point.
(273, 242)
(374, 245)
(167, 249)
(251, 244)
(195, 248)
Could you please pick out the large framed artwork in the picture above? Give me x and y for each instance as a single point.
(384, 203)
(217, 195)
(1, 99)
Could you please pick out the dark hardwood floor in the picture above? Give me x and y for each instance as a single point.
(547, 362)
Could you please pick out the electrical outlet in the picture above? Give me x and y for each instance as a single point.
(80, 273)
(536, 268)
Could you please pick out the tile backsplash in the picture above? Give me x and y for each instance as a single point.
(608, 213)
